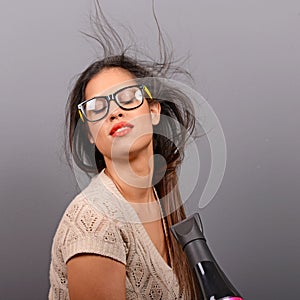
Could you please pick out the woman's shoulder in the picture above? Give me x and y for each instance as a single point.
(78, 210)
(98, 202)
(79, 220)
(92, 203)
(95, 199)
(87, 227)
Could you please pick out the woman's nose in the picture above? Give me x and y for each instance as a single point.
(115, 116)
(115, 112)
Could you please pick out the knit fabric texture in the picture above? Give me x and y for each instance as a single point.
(100, 221)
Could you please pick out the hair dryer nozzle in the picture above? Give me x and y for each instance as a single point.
(188, 230)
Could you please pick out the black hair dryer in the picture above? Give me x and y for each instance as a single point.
(213, 282)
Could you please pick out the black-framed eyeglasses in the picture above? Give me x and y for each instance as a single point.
(127, 98)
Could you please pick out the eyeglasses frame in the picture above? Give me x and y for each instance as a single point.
(112, 97)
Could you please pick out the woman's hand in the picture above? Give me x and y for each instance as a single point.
(96, 277)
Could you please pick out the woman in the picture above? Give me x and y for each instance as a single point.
(114, 240)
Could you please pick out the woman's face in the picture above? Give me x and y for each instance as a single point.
(122, 133)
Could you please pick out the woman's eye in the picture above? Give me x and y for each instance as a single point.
(95, 106)
(126, 97)
(130, 95)
(127, 101)
(97, 111)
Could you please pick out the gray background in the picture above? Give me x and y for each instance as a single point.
(245, 58)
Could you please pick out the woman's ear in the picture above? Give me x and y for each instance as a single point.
(155, 109)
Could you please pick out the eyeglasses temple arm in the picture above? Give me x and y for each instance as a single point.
(148, 92)
(80, 114)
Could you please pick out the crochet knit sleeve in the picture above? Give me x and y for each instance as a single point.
(84, 229)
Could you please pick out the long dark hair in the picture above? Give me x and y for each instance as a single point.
(88, 158)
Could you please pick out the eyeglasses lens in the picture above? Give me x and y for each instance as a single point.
(130, 97)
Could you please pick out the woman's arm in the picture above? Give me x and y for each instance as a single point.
(96, 277)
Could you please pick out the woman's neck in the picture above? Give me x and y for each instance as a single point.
(133, 177)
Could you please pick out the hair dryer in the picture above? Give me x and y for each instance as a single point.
(213, 282)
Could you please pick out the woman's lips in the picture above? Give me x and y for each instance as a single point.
(121, 129)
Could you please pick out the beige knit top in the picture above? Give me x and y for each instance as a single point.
(100, 221)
